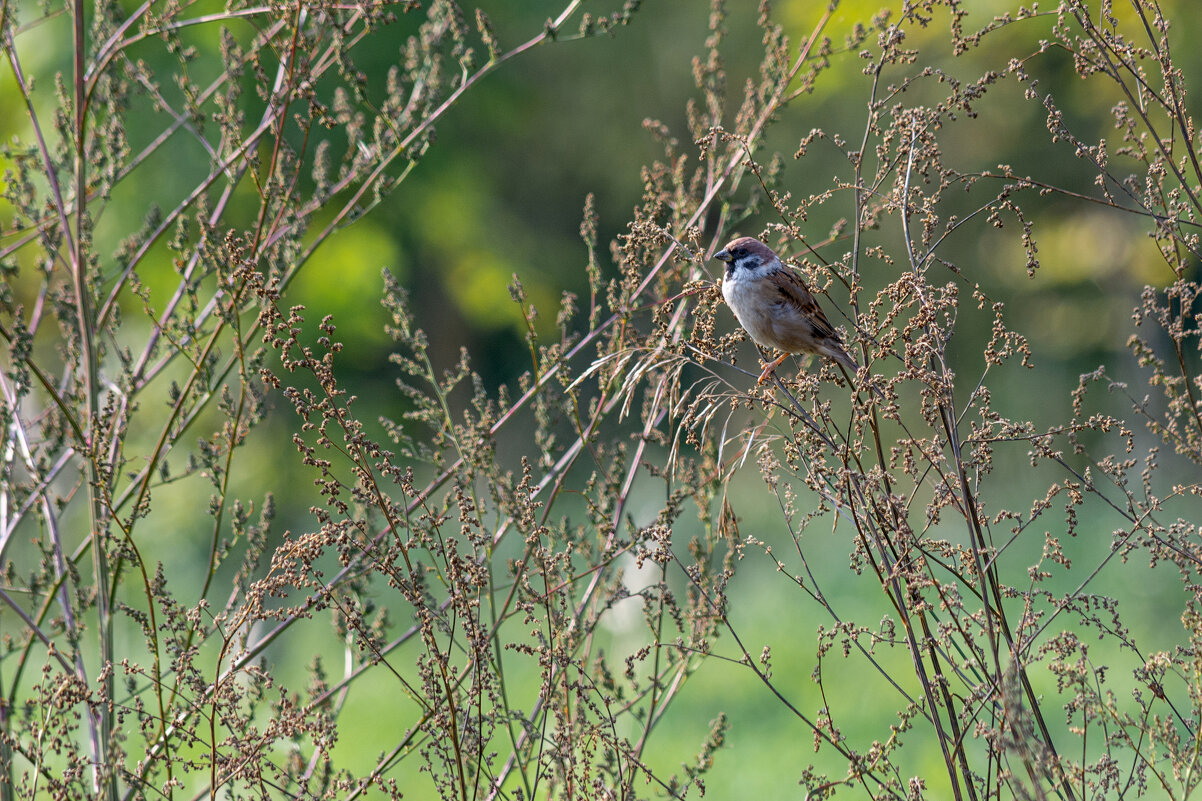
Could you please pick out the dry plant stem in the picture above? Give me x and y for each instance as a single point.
(951, 761)
(62, 593)
(986, 576)
(949, 420)
(624, 409)
(899, 599)
(35, 499)
(336, 222)
(733, 167)
(272, 116)
(817, 595)
(749, 660)
(607, 407)
(1173, 106)
(88, 371)
(252, 652)
(986, 570)
(164, 443)
(887, 573)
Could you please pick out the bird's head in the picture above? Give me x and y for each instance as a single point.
(747, 253)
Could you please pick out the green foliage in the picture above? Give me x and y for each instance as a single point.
(231, 569)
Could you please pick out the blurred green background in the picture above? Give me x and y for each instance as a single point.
(501, 193)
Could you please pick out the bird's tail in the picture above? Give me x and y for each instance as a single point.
(842, 357)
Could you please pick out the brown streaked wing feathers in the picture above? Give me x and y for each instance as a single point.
(794, 292)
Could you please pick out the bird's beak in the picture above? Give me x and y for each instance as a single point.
(724, 255)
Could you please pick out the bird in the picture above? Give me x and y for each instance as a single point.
(774, 306)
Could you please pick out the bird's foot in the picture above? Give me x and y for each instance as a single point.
(770, 368)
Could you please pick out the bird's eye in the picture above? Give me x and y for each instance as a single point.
(739, 253)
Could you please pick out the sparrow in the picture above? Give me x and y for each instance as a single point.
(774, 306)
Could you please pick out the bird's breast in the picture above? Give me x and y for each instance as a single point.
(753, 303)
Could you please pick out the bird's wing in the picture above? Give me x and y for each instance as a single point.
(797, 297)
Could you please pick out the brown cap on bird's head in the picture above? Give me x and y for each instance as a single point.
(738, 249)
